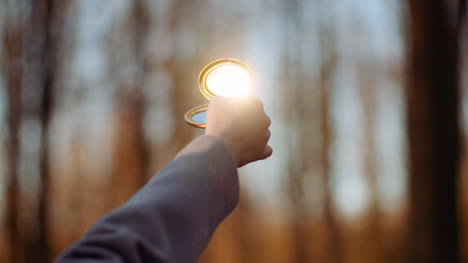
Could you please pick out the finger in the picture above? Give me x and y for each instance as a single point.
(264, 141)
(267, 137)
(220, 100)
(258, 104)
(220, 97)
(252, 102)
(267, 152)
(268, 121)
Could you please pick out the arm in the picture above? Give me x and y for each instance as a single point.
(172, 218)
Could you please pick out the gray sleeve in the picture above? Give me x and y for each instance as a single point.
(172, 218)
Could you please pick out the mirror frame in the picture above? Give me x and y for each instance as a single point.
(215, 65)
(194, 111)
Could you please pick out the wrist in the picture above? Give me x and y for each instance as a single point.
(230, 145)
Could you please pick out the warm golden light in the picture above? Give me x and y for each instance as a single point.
(229, 80)
(225, 77)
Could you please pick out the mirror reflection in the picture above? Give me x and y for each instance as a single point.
(196, 116)
(229, 80)
(199, 117)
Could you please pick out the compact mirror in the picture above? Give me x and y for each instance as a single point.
(196, 116)
(224, 77)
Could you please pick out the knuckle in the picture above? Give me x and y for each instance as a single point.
(268, 120)
(256, 103)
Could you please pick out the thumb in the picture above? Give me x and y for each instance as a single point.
(267, 152)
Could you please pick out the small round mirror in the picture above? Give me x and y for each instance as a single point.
(225, 77)
(196, 116)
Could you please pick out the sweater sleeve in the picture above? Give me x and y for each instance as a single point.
(172, 218)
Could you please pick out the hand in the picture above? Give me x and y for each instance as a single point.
(243, 125)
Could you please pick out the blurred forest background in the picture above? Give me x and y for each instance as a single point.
(367, 97)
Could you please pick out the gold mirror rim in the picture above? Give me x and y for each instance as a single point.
(192, 112)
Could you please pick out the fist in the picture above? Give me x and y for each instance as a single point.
(242, 124)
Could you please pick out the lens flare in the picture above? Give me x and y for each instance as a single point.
(229, 80)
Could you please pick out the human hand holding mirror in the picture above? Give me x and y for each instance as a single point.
(232, 114)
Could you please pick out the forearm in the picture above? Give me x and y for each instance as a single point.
(172, 218)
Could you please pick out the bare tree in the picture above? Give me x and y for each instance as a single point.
(434, 131)
(43, 47)
(178, 66)
(126, 51)
(369, 74)
(334, 244)
(13, 41)
(296, 110)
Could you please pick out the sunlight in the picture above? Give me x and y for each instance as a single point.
(230, 80)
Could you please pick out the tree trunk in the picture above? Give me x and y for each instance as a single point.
(13, 39)
(130, 151)
(44, 45)
(334, 249)
(368, 90)
(434, 132)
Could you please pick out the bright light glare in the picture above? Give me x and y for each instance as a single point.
(230, 80)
